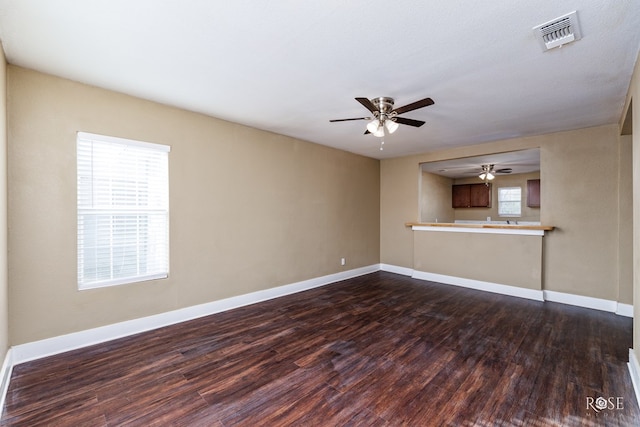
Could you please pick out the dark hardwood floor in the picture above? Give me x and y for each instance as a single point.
(377, 350)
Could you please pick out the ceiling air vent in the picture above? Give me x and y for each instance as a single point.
(558, 32)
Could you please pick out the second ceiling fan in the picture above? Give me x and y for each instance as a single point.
(385, 118)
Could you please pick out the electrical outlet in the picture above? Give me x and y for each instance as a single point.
(343, 261)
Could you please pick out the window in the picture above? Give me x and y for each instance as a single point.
(509, 201)
(123, 211)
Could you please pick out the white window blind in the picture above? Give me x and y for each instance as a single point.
(509, 201)
(123, 211)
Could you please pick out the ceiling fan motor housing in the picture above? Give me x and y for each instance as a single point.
(384, 104)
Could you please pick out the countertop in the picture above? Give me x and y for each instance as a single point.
(489, 226)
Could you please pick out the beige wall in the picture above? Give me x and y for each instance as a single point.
(398, 204)
(634, 95)
(581, 256)
(4, 303)
(435, 198)
(625, 221)
(450, 253)
(481, 214)
(249, 209)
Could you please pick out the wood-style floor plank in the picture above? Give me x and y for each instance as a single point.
(376, 350)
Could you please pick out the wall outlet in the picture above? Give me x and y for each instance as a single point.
(343, 261)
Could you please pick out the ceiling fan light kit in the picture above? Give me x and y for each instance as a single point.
(375, 128)
(391, 126)
(378, 128)
(487, 174)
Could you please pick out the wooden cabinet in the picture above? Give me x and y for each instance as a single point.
(480, 195)
(471, 196)
(533, 193)
(460, 196)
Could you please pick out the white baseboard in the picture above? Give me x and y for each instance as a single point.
(553, 296)
(497, 288)
(634, 371)
(48, 347)
(5, 378)
(395, 269)
(624, 310)
(589, 302)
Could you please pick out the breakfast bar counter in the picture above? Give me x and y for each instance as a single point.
(469, 228)
(502, 258)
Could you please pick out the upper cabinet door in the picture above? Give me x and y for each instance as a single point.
(533, 193)
(460, 196)
(480, 195)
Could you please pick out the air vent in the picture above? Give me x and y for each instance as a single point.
(558, 32)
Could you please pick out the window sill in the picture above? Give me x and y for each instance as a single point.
(118, 282)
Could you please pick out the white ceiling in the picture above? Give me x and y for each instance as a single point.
(289, 66)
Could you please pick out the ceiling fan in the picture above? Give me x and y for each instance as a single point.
(489, 172)
(385, 118)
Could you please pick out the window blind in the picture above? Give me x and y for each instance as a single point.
(123, 210)
(509, 201)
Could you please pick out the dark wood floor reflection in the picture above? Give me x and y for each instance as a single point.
(377, 350)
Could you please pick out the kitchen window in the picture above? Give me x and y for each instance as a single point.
(510, 201)
(123, 211)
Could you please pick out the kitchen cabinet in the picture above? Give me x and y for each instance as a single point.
(533, 193)
(460, 196)
(471, 196)
(480, 195)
